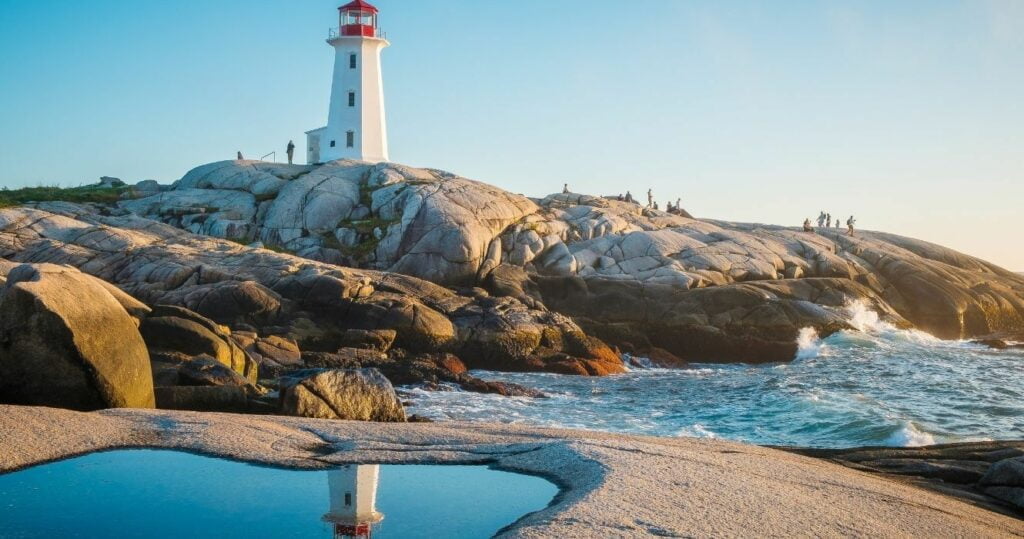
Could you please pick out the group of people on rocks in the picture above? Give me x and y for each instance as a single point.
(825, 221)
(652, 204)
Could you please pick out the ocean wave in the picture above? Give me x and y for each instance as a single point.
(808, 344)
(908, 435)
(696, 430)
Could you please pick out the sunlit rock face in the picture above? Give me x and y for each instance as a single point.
(312, 302)
(642, 279)
(420, 222)
(70, 341)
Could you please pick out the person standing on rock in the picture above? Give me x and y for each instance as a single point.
(650, 198)
(629, 196)
(290, 150)
(828, 220)
(679, 203)
(565, 189)
(821, 219)
(849, 224)
(240, 158)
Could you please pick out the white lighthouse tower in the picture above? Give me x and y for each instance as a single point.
(356, 127)
(353, 510)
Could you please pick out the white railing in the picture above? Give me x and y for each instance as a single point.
(334, 33)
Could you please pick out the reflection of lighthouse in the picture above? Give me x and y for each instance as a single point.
(353, 500)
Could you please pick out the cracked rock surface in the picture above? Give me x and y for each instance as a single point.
(612, 485)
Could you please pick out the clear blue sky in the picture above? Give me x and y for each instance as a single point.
(908, 114)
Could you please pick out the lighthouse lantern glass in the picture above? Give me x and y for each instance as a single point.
(357, 22)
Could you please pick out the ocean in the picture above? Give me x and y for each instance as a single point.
(876, 385)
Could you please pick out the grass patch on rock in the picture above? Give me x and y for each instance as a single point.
(85, 194)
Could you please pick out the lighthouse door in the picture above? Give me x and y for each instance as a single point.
(313, 151)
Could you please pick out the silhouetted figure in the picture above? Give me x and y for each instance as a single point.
(679, 204)
(629, 197)
(849, 225)
(621, 198)
(821, 219)
(290, 150)
(828, 220)
(807, 226)
(565, 189)
(650, 198)
(240, 158)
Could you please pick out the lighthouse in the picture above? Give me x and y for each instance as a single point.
(353, 491)
(356, 126)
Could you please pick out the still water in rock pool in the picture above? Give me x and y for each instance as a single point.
(874, 386)
(143, 493)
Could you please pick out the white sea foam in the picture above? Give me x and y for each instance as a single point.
(696, 431)
(864, 319)
(807, 343)
(909, 436)
(631, 361)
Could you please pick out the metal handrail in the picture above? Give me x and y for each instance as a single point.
(335, 32)
(268, 155)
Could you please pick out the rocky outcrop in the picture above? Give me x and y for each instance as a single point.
(667, 274)
(172, 331)
(315, 304)
(425, 223)
(67, 340)
(358, 395)
(986, 474)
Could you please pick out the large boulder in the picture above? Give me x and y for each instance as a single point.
(359, 395)
(67, 341)
(178, 330)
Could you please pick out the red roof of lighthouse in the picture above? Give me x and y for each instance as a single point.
(358, 5)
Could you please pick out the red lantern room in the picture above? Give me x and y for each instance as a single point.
(358, 18)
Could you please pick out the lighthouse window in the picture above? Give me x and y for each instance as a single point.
(352, 61)
(351, 99)
(332, 144)
(348, 498)
(350, 139)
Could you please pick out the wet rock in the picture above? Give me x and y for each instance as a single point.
(959, 471)
(359, 395)
(66, 341)
(1011, 495)
(507, 389)
(1007, 473)
(987, 474)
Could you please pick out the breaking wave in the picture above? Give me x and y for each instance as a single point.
(874, 385)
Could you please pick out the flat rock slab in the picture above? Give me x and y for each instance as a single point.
(612, 485)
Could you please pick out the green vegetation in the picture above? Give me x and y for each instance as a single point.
(366, 226)
(361, 251)
(89, 193)
(366, 194)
